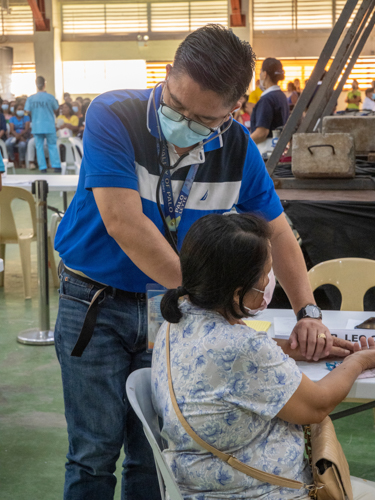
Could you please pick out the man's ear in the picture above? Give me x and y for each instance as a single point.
(236, 107)
(168, 70)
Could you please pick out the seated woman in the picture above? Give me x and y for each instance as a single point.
(237, 388)
(19, 133)
(67, 119)
(272, 109)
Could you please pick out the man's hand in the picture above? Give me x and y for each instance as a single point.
(305, 335)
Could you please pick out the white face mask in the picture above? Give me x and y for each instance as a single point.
(267, 295)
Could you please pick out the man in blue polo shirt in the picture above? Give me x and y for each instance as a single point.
(113, 242)
(42, 106)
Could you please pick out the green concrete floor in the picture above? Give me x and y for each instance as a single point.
(33, 438)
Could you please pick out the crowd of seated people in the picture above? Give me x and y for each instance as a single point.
(16, 125)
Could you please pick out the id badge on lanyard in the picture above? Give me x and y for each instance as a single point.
(173, 211)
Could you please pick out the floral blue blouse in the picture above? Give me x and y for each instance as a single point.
(230, 382)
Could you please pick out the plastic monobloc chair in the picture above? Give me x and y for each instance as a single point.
(10, 234)
(72, 161)
(352, 276)
(138, 390)
(9, 165)
(78, 145)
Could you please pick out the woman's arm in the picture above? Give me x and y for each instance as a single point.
(313, 401)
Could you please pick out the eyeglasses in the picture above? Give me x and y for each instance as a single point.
(175, 116)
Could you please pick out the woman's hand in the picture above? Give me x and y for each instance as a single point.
(364, 353)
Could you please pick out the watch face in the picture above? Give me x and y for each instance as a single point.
(312, 311)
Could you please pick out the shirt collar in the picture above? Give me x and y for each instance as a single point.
(271, 89)
(152, 123)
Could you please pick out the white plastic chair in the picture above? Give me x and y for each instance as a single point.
(138, 390)
(10, 234)
(78, 144)
(9, 165)
(55, 221)
(71, 157)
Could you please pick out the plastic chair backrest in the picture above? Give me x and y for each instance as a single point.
(4, 152)
(78, 145)
(8, 229)
(70, 151)
(138, 390)
(352, 276)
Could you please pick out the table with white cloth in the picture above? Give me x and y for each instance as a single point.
(363, 389)
(43, 184)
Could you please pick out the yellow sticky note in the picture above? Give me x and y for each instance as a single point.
(259, 326)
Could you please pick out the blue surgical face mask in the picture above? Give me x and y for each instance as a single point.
(4, 106)
(12, 109)
(179, 133)
(373, 96)
(75, 109)
(20, 112)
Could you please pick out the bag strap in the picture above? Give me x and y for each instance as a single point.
(264, 477)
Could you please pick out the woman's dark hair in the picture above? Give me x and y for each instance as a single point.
(293, 87)
(217, 60)
(274, 69)
(18, 104)
(84, 109)
(220, 254)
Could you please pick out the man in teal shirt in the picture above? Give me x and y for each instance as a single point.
(42, 106)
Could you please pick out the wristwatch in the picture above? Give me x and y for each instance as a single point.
(309, 311)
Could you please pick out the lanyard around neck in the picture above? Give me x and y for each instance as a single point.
(173, 211)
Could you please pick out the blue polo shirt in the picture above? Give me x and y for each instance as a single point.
(42, 106)
(120, 150)
(271, 111)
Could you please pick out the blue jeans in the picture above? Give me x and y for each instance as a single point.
(100, 419)
(21, 147)
(54, 156)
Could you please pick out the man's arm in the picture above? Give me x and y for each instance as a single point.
(290, 269)
(137, 235)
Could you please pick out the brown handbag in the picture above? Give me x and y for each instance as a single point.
(327, 459)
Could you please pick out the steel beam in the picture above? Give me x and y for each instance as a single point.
(336, 93)
(311, 85)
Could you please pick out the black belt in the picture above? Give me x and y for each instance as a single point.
(92, 312)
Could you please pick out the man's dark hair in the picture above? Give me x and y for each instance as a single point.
(40, 82)
(217, 60)
(220, 254)
(274, 69)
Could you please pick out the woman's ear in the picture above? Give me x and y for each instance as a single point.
(236, 296)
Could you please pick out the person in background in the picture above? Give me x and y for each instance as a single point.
(82, 120)
(239, 111)
(12, 105)
(2, 170)
(86, 100)
(19, 134)
(80, 100)
(272, 110)
(5, 108)
(67, 98)
(292, 95)
(354, 97)
(245, 114)
(42, 107)
(76, 107)
(369, 102)
(69, 119)
(3, 124)
(254, 97)
(297, 84)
